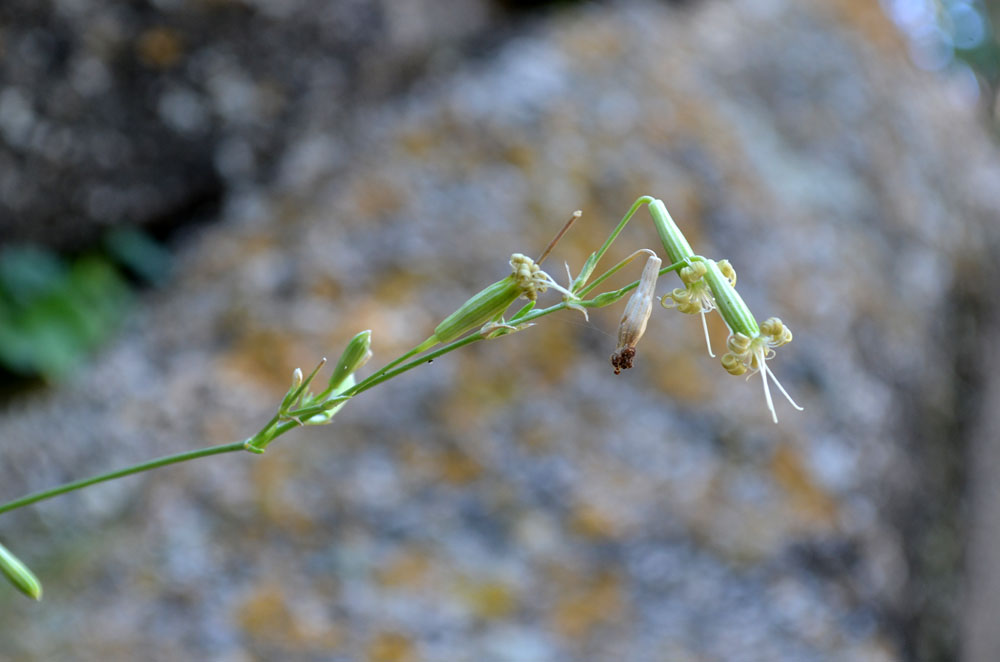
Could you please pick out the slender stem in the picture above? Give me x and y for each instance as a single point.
(138, 468)
(274, 429)
(613, 270)
(646, 199)
(383, 375)
(631, 286)
(559, 235)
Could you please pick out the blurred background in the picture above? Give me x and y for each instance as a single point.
(197, 196)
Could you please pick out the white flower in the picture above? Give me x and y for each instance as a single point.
(749, 354)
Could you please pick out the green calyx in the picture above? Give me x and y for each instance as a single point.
(354, 356)
(674, 242)
(731, 306)
(489, 304)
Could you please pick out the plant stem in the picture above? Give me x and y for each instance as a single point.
(646, 199)
(273, 428)
(138, 468)
(631, 286)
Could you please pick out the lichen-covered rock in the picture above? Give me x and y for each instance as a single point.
(144, 113)
(516, 500)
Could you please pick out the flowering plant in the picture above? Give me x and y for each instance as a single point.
(708, 285)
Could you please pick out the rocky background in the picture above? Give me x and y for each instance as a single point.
(516, 501)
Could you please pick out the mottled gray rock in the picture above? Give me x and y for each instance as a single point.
(516, 500)
(144, 113)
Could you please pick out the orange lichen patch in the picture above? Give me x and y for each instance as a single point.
(418, 141)
(488, 600)
(522, 155)
(275, 511)
(408, 569)
(328, 289)
(219, 429)
(159, 47)
(592, 42)
(588, 521)
(537, 438)
(870, 20)
(682, 376)
(391, 647)
(485, 390)
(816, 506)
(551, 349)
(266, 616)
(374, 196)
(457, 467)
(416, 458)
(398, 286)
(264, 356)
(588, 603)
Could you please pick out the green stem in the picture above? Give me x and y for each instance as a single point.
(138, 468)
(385, 375)
(273, 429)
(646, 199)
(631, 286)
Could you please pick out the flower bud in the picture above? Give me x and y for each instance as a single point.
(19, 575)
(674, 242)
(527, 280)
(637, 311)
(355, 355)
(478, 310)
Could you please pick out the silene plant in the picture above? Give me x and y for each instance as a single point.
(707, 285)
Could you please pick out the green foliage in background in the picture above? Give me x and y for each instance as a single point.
(54, 310)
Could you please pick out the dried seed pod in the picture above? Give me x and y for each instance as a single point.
(637, 312)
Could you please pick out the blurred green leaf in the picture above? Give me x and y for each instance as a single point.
(53, 313)
(139, 253)
(27, 272)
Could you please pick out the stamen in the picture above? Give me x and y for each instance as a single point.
(708, 341)
(767, 391)
(783, 391)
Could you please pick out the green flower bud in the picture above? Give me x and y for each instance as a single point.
(19, 575)
(527, 280)
(355, 355)
(478, 310)
(674, 242)
(729, 302)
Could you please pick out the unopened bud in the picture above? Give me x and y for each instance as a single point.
(478, 310)
(19, 575)
(526, 280)
(637, 311)
(355, 355)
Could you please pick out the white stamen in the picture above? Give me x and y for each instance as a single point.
(767, 391)
(708, 341)
(783, 391)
